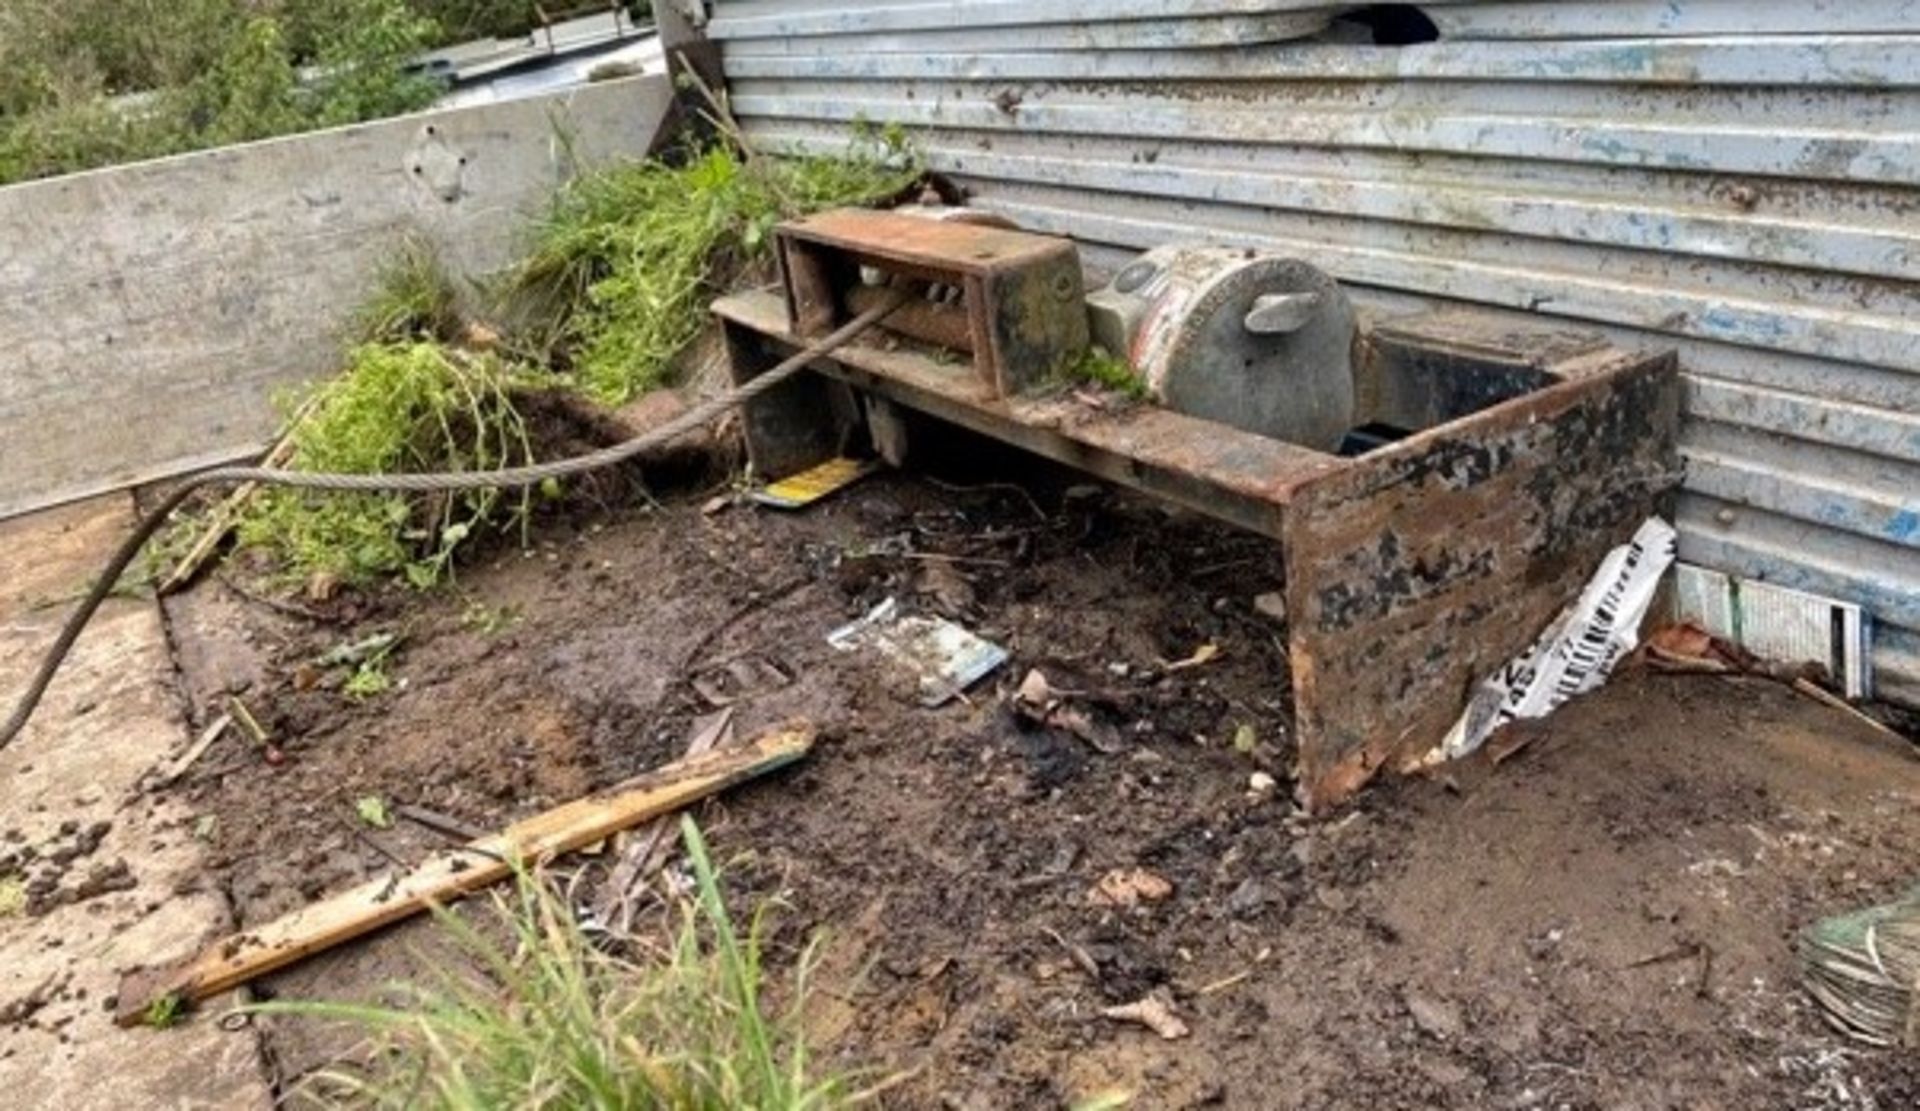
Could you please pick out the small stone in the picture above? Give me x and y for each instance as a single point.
(1260, 786)
(1247, 899)
(1126, 887)
(1436, 1018)
(1272, 606)
(1334, 899)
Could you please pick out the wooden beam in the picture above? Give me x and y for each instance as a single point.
(449, 874)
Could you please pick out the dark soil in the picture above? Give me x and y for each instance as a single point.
(1604, 920)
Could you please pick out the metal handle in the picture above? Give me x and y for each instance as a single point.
(1275, 314)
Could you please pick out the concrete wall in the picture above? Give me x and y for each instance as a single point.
(149, 313)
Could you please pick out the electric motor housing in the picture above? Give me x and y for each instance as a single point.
(1251, 339)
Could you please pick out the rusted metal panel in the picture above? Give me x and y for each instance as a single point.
(1737, 179)
(1021, 294)
(1210, 468)
(1428, 565)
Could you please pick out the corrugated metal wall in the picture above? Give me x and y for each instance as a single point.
(1737, 178)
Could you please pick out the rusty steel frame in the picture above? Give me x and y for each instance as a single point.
(1019, 312)
(1413, 570)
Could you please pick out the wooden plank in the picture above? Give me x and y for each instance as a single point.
(447, 875)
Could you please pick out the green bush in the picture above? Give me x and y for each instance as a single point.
(89, 83)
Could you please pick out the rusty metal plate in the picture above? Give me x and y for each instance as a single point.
(1420, 568)
(1022, 315)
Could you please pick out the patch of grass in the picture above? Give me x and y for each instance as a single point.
(560, 1023)
(624, 265)
(413, 298)
(489, 620)
(399, 407)
(13, 896)
(1096, 366)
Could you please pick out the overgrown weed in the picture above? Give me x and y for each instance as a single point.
(556, 1022)
(623, 266)
(398, 408)
(414, 298)
(617, 285)
(89, 83)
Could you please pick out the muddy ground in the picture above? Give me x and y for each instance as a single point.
(1604, 920)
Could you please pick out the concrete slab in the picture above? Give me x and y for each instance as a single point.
(113, 875)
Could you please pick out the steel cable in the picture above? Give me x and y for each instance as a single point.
(509, 478)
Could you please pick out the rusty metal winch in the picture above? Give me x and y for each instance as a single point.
(1441, 484)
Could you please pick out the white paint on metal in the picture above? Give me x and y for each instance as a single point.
(1560, 19)
(991, 54)
(1774, 623)
(779, 18)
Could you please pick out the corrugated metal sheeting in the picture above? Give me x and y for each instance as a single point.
(1737, 178)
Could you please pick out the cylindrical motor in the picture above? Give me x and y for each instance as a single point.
(1257, 341)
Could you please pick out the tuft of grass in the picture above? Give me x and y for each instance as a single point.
(372, 811)
(398, 408)
(489, 620)
(624, 265)
(164, 1012)
(13, 896)
(557, 1022)
(414, 299)
(1096, 366)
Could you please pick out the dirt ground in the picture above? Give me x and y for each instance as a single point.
(1603, 921)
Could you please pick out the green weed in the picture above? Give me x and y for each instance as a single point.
(164, 1012)
(88, 83)
(370, 679)
(372, 810)
(1096, 366)
(489, 620)
(624, 265)
(399, 407)
(413, 298)
(559, 1023)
